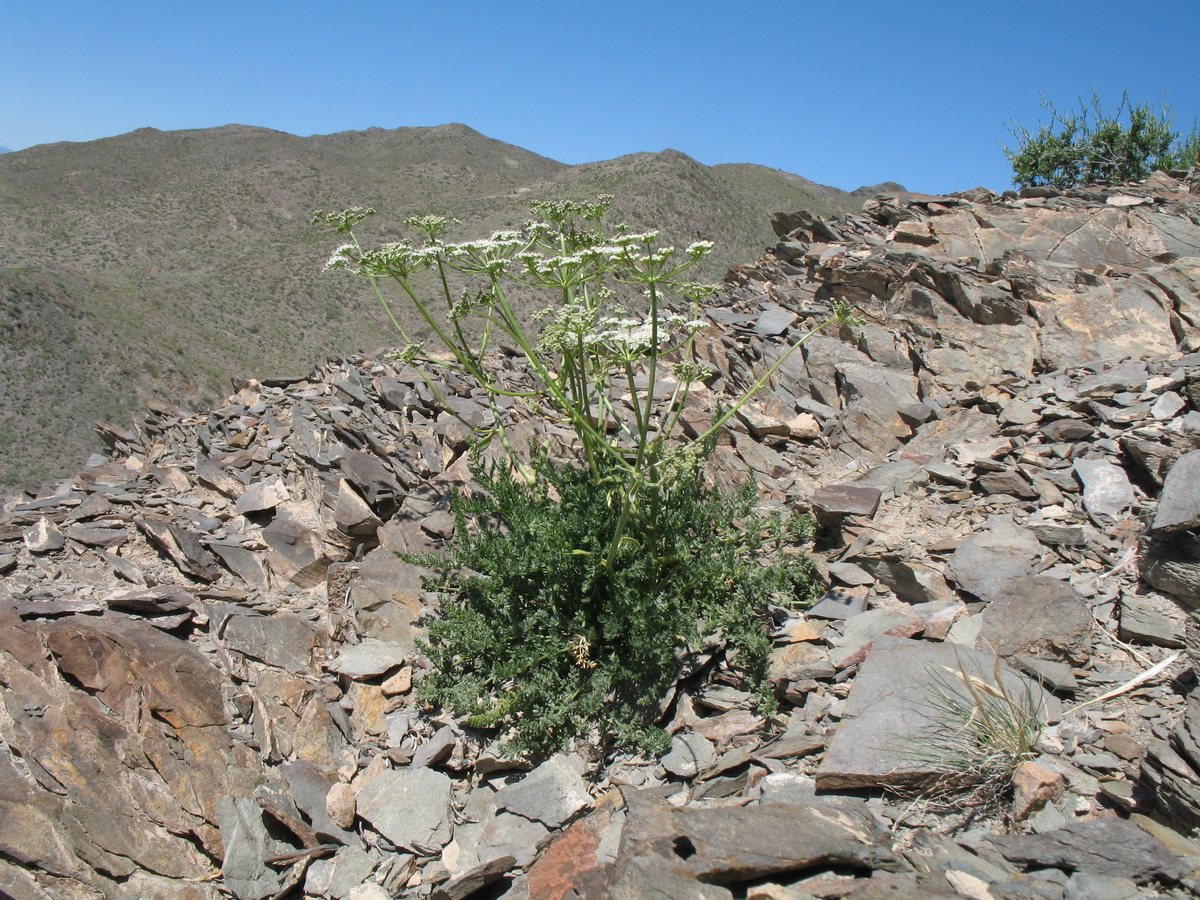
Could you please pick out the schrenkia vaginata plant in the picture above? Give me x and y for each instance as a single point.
(576, 558)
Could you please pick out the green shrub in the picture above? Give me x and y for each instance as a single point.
(540, 633)
(589, 575)
(1092, 145)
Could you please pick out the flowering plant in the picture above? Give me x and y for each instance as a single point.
(588, 352)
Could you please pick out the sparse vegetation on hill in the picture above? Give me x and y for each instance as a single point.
(189, 254)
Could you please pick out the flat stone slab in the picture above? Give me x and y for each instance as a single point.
(1038, 616)
(369, 659)
(1179, 504)
(283, 640)
(773, 322)
(1152, 619)
(408, 807)
(1101, 846)
(890, 714)
(247, 843)
(655, 850)
(864, 628)
(839, 603)
(690, 753)
(838, 500)
(553, 793)
(988, 560)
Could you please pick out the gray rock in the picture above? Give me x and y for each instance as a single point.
(788, 787)
(437, 747)
(912, 582)
(660, 851)
(410, 807)
(1179, 505)
(801, 661)
(1172, 768)
(1018, 412)
(44, 537)
(773, 322)
(553, 793)
(1172, 564)
(374, 481)
(988, 560)
(1114, 847)
(1084, 886)
(945, 473)
(282, 640)
(1107, 493)
(833, 503)
(1168, 405)
(366, 660)
(506, 835)
(1055, 676)
(851, 574)
(466, 884)
(839, 603)
(1067, 430)
(247, 847)
(1007, 481)
(896, 477)
(308, 788)
(387, 598)
(183, 547)
(262, 496)
(352, 514)
(97, 537)
(751, 842)
(862, 629)
(161, 599)
(690, 753)
(1151, 620)
(1055, 535)
(296, 538)
(350, 868)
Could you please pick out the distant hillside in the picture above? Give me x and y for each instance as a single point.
(5, 150)
(158, 265)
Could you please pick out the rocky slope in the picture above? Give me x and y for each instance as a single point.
(207, 640)
(155, 266)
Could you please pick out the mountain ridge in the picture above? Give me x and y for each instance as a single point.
(188, 259)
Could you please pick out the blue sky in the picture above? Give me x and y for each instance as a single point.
(843, 93)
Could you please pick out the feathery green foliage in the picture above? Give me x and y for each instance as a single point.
(539, 633)
(1093, 145)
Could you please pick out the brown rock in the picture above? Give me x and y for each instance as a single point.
(129, 753)
(1038, 616)
(400, 683)
(341, 805)
(1033, 787)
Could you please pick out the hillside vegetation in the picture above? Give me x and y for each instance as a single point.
(159, 265)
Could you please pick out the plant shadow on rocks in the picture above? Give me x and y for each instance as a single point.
(540, 636)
